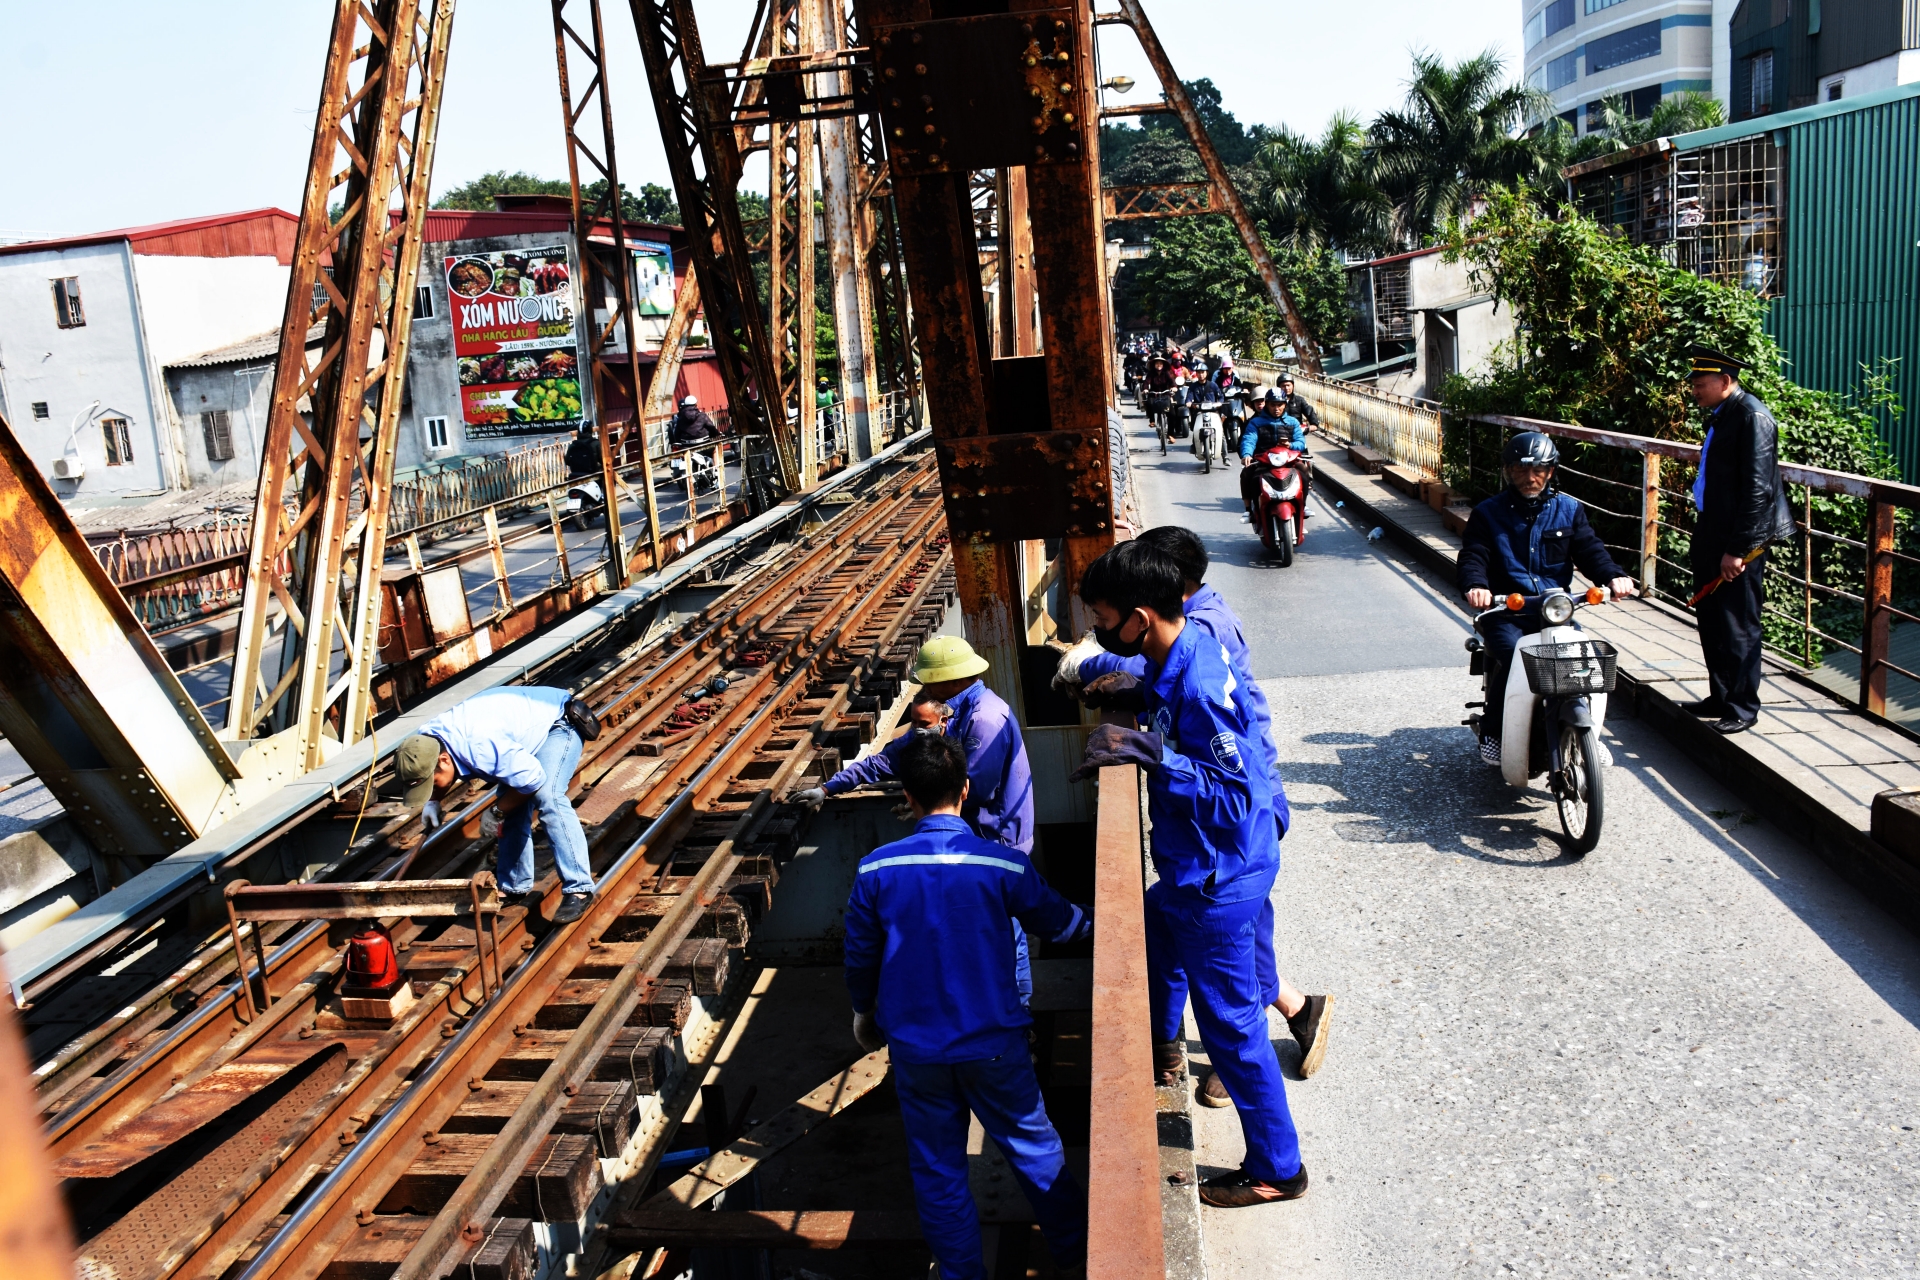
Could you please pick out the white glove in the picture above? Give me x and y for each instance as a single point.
(1066, 677)
(812, 798)
(430, 815)
(866, 1033)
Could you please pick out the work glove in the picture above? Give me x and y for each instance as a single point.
(1066, 676)
(867, 1033)
(1110, 744)
(1115, 691)
(811, 799)
(490, 824)
(430, 818)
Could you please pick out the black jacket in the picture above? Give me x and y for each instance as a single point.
(583, 457)
(1512, 545)
(695, 430)
(1301, 409)
(1745, 503)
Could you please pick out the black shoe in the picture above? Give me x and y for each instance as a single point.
(572, 907)
(1169, 1061)
(1239, 1189)
(1734, 724)
(1309, 1028)
(1706, 708)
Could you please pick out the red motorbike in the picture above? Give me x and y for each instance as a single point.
(1280, 507)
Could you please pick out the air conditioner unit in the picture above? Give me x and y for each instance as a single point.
(69, 467)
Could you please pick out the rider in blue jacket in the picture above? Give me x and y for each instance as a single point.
(929, 962)
(1527, 539)
(1272, 426)
(1215, 847)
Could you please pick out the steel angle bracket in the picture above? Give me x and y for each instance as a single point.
(1011, 486)
(986, 92)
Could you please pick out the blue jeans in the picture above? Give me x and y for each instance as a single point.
(514, 865)
(934, 1101)
(1210, 949)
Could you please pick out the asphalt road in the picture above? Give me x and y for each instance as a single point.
(1693, 1052)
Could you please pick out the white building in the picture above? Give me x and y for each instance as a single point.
(1416, 319)
(1581, 51)
(88, 323)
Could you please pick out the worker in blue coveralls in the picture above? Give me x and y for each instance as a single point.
(929, 956)
(1000, 782)
(1216, 849)
(1102, 679)
(527, 742)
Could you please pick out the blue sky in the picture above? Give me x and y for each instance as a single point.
(119, 114)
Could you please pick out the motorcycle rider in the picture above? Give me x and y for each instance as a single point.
(1293, 404)
(690, 426)
(1528, 538)
(1271, 428)
(583, 453)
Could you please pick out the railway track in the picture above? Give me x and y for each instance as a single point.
(253, 1129)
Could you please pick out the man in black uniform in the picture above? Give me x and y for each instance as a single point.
(1742, 506)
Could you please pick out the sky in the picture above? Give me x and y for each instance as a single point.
(120, 114)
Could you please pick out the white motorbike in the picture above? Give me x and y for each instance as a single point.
(1206, 433)
(1550, 712)
(701, 464)
(586, 504)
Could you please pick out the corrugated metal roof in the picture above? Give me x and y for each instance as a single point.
(154, 231)
(1787, 119)
(259, 347)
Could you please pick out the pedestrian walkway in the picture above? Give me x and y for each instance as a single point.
(1813, 763)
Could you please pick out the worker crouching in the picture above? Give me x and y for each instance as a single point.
(930, 969)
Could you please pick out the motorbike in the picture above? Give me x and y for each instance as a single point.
(586, 505)
(1206, 433)
(702, 468)
(1159, 411)
(1549, 715)
(1281, 507)
(1233, 420)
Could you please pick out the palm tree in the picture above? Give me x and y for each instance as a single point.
(1455, 139)
(1316, 195)
(1618, 129)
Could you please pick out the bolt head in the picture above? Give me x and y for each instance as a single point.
(919, 68)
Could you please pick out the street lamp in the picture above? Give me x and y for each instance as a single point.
(1119, 84)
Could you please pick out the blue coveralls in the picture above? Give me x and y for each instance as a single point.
(999, 782)
(1206, 610)
(519, 739)
(929, 933)
(1215, 847)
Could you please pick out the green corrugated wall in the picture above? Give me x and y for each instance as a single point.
(1853, 258)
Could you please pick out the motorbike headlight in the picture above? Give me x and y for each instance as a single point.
(1556, 608)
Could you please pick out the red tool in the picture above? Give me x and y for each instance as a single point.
(373, 970)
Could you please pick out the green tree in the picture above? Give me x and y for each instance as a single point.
(1316, 194)
(1199, 277)
(1619, 129)
(653, 203)
(1452, 141)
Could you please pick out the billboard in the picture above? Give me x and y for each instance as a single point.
(652, 278)
(515, 340)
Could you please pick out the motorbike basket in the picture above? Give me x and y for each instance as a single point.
(1574, 667)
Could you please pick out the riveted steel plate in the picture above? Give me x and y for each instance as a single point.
(981, 93)
(1045, 484)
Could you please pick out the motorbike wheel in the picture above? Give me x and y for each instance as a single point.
(1577, 789)
(1282, 539)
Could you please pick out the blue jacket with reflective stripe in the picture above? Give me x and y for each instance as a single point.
(929, 941)
(1211, 803)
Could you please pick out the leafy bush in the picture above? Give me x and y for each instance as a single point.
(1200, 277)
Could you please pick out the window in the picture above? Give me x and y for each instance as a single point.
(1563, 71)
(1833, 90)
(1623, 47)
(1760, 82)
(117, 435)
(40, 410)
(436, 429)
(215, 428)
(1536, 29)
(1595, 6)
(422, 303)
(1559, 16)
(66, 303)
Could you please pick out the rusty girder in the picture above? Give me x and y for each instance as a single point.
(1161, 200)
(607, 264)
(703, 156)
(792, 171)
(372, 160)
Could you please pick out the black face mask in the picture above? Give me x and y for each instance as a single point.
(1109, 639)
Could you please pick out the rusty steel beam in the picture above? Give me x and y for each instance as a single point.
(791, 173)
(852, 295)
(673, 351)
(609, 268)
(1135, 17)
(1161, 200)
(364, 899)
(696, 127)
(373, 146)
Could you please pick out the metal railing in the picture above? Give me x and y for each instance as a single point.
(461, 488)
(1837, 590)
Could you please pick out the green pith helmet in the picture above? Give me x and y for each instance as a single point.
(946, 658)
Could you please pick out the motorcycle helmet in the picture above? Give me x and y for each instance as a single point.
(1531, 448)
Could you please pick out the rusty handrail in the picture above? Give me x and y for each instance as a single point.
(1124, 1239)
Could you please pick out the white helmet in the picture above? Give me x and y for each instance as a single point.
(691, 402)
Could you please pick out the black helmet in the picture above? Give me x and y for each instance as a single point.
(1533, 448)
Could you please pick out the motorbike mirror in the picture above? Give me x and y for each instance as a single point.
(1516, 602)
(1596, 595)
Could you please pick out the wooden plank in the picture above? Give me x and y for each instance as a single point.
(670, 1003)
(557, 1184)
(640, 1054)
(770, 1229)
(507, 1251)
(600, 1109)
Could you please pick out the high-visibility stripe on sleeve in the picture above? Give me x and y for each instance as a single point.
(1073, 925)
(943, 860)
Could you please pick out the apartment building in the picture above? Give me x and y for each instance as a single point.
(1581, 51)
(1788, 54)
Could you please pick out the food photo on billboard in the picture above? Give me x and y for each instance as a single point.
(517, 342)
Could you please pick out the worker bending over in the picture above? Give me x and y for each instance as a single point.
(526, 741)
(1084, 664)
(929, 956)
(1216, 851)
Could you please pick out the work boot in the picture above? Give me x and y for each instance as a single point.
(572, 907)
(1309, 1028)
(1239, 1189)
(1169, 1061)
(1214, 1092)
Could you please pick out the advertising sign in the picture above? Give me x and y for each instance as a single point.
(514, 338)
(652, 279)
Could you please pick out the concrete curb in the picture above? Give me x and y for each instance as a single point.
(1862, 861)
